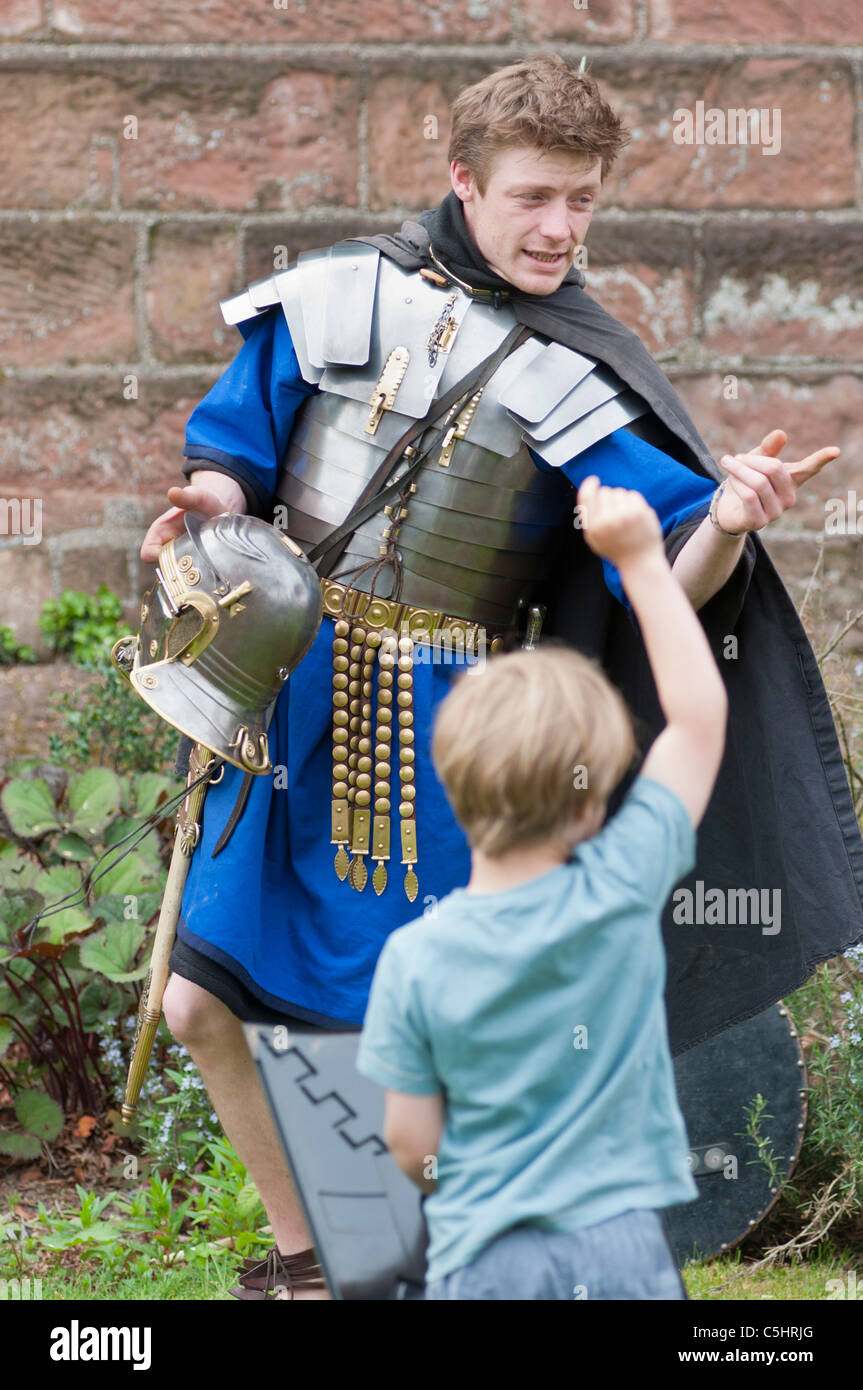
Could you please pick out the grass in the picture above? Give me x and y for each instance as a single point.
(99, 1285)
(731, 1277)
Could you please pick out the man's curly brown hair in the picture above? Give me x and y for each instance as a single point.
(539, 103)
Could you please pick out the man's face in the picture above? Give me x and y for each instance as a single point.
(534, 202)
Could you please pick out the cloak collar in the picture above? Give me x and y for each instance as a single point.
(569, 316)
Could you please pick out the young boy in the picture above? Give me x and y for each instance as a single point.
(519, 1028)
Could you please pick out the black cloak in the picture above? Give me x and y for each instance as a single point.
(781, 818)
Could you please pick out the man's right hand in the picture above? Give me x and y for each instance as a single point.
(209, 496)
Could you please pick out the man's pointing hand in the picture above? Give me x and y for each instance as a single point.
(760, 487)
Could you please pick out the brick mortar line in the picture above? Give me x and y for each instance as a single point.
(355, 55)
(518, 22)
(806, 533)
(191, 371)
(642, 22)
(240, 230)
(698, 278)
(857, 126)
(90, 538)
(364, 180)
(140, 262)
(243, 220)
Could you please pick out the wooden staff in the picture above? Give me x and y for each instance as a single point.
(150, 1008)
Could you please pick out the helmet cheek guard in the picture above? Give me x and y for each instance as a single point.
(234, 609)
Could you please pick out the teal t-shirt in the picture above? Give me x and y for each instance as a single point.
(539, 1013)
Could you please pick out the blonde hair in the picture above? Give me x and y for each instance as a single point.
(510, 737)
(541, 103)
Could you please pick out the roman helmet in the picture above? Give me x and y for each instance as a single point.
(234, 609)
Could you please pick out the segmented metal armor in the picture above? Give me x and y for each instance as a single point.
(470, 540)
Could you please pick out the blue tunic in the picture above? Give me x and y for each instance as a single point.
(270, 908)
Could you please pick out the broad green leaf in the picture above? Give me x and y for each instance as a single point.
(29, 808)
(19, 1145)
(20, 872)
(248, 1200)
(125, 794)
(132, 874)
(7, 999)
(66, 922)
(17, 908)
(8, 849)
(148, 787)
(101, 1232)
(127, 907)
(112, 952)
(57, 881)
(148, 846)
(94, 800)
(71, 846)
(39, 1114)
(5, 1036)
(24, 970)
(99, 1001)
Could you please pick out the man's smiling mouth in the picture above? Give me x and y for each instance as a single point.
(545, 257)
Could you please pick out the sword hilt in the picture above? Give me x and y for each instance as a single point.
(535, 618)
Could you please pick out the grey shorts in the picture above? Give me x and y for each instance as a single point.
(627, 1257)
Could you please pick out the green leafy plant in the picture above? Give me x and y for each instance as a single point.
(10, 650)
(88, 1226)
(82, 626)
(107, 724)
(176, 1124)
(104, 722)
(756, 1113)
(202, 1220)
(828, 1010)
(40, 1118)
(73, 925)
(228, 1204)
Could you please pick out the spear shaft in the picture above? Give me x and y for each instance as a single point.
(186, 838)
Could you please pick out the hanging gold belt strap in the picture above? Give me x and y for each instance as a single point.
(366, 629)
(354, 652)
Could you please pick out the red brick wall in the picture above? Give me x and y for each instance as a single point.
(154, 154)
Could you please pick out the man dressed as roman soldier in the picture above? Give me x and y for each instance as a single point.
(415, 412)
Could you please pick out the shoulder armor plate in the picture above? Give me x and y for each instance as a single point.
(254, 300)
(347, 307)
(564, 401)
(328, 301)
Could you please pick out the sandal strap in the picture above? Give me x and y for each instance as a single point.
(259, 1279)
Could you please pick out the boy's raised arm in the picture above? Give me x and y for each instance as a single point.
(621, 526)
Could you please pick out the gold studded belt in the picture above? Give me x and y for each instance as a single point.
(368, 629)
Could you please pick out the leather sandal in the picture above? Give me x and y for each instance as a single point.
(263, 1279)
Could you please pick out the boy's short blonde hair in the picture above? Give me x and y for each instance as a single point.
(524, 742)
